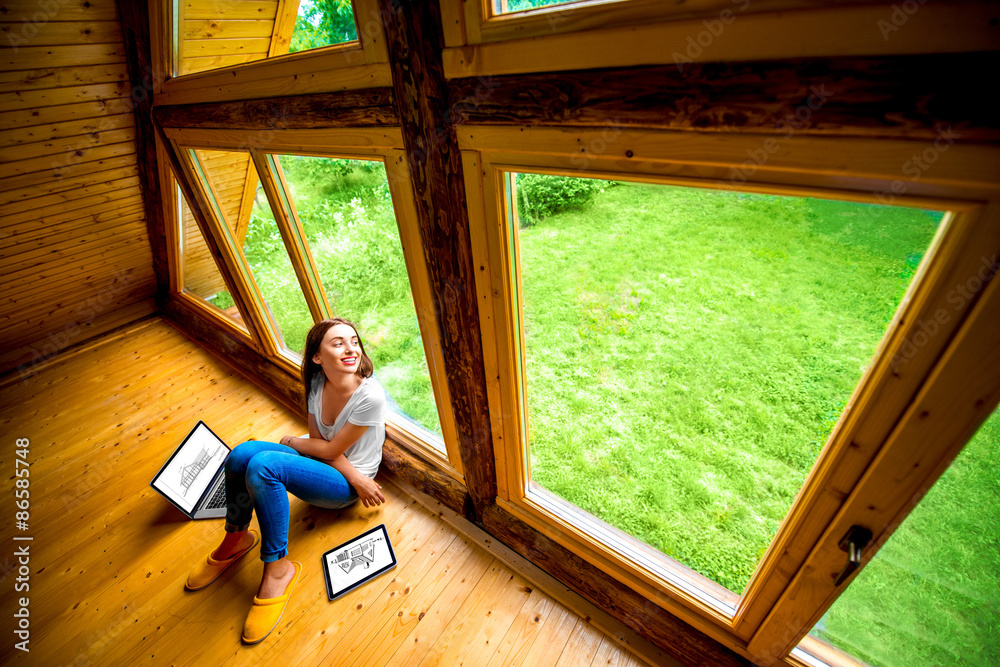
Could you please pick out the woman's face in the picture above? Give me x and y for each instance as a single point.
(340, 351)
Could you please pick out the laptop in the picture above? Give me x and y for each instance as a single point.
(193, 478)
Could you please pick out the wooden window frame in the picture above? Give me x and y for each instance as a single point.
(381, 144)
(769, 619)
(628, 33)
(176, 259)
(348, 66)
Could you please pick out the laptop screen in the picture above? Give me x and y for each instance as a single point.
(191, 469)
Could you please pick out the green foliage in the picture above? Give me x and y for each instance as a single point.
(322, 23)
(222, 300)
(541, 195)
(521, 5)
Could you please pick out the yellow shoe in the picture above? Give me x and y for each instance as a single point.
(265, 614)
(204, 573)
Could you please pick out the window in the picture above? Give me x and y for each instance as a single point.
(216, 35)
(314, 236)
(895, 348)
(508, 6)
(199, 274)
(242, 50)
(346, 212)
(695, 365)
(240, 197)
(931, 595)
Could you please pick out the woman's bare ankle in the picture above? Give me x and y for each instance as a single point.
(230, 545)
(276, 577)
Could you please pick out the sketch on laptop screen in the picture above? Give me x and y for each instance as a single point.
(190, 472)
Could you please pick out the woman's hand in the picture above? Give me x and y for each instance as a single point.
(286, 440)
(369, 491)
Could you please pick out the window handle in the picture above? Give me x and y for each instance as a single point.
(856, 539)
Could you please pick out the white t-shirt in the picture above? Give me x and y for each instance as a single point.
(365, 407)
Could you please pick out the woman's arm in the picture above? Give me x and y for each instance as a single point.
(328, 450)
(369, 491)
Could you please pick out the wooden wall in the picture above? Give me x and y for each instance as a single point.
(75, 255)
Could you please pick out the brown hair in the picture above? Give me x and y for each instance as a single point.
(315, 338)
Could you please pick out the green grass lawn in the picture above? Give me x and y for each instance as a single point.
(688, 352)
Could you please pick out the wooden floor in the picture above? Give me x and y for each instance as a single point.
(109, 556)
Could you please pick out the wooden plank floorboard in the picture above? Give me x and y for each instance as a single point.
(109, 555)
(460, 564)
(551, 639)
(582, 646)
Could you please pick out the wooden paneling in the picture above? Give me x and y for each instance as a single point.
(61, 10)
(74, 128)
(29, 57)
(75, 253)
(230, 9)
(57, 77)
(217, 34)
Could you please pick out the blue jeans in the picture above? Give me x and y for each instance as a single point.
(259, 475)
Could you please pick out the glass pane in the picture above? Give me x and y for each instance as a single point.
(689, 351)
(347, 215)
(215, 35)
(507, 6)
(234, 179)
(931, 595)
(238, 193)
(323, 23)
(201, 275)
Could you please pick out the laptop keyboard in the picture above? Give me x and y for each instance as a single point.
(218, 498)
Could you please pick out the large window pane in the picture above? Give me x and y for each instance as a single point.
(347, 215)
(931, 595)
(689, 351)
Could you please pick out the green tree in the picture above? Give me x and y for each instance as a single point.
(322, 23)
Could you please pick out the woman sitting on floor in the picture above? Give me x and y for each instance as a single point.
(332, 468)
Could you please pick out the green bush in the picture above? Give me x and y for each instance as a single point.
(542, 195)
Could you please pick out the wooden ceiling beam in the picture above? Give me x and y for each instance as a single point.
(910, 96)
(370, 107)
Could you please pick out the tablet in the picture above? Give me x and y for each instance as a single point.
(357, 561)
